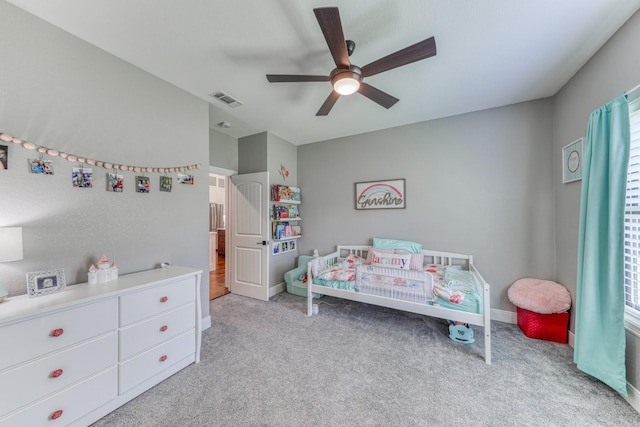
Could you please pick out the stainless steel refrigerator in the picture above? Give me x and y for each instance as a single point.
(216, 216)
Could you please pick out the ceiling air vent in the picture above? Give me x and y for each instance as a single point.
(226, 99)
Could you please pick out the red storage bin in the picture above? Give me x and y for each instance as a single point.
(550, 327)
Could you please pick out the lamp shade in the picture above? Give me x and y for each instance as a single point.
(10, 244)
(346, 85)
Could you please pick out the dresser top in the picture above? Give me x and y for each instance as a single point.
(20, 306)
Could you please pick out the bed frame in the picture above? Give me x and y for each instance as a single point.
(430, 257)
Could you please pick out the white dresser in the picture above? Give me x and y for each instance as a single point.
(72, 357)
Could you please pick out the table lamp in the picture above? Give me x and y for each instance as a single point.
(10, 249)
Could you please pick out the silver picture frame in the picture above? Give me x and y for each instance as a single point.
(572, 161)
(46, 282)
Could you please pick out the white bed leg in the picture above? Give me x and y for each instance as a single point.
(487, 324)
(309, 294)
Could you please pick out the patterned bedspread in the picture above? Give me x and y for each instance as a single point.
(456, 288)
(452, 286)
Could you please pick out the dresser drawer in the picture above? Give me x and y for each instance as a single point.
(32, 381)
(146, 365)
(41, 335)
(63, 408)
(150, 302)
(151, 332)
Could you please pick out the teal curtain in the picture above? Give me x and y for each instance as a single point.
(600, 334)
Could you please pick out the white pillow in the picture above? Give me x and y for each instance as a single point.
(318, 265)
(399, 261)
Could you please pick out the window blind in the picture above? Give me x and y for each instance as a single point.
(632, 214)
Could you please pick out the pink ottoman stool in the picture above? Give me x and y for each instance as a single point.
(542, 308)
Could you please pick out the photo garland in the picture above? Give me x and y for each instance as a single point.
(5, 137)
(82, 176)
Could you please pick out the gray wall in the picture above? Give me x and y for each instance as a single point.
(614, 69)
(252, 153)
(479, 183)
(282, 153)
(223, 150)
(63, 93)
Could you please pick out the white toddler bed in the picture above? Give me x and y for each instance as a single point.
(420, 291)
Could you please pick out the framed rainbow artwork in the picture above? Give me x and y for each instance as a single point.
(389, 194)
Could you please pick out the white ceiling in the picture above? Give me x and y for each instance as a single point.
(490, 53)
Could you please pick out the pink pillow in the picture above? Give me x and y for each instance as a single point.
(539, 296)
(417, 260)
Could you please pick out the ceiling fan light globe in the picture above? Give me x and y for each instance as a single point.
(346, 85)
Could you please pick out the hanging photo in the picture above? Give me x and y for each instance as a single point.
(115, 182)
(4, 157)
(165, 183)
(183, 178)
(142, 184)
(82, 177)
(41, 166)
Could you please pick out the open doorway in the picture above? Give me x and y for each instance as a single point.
(218, 211)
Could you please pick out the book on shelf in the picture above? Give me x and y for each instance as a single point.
(285, 212)
(278, 230)
(281, 193)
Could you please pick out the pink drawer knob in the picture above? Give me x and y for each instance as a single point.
(164, 299)
(57, 332)
(56, 373)
(164, 328)
(57, 414)
(163, 358)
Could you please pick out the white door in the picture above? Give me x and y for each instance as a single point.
(249, 234)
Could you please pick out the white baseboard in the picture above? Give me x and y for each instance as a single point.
(504, 316)
(633, 397)
(277, 289)
(206, 323)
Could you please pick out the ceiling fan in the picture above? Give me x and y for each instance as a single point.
(346, 78)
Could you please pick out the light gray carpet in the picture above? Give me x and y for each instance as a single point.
(267, 364)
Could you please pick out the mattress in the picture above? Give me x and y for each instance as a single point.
(338, 276)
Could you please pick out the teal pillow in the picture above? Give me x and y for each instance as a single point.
(400, 245)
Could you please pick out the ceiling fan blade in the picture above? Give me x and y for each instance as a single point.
(328, 103)
(329, 20)
(413, 53)
(292, 78)
(378, 96)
